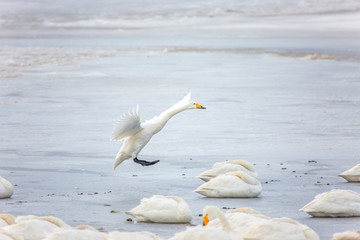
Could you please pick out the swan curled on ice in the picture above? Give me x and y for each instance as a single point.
(137, 134)
(6, 188)
(143, 235)
(348, 235)
(75, 234)
(228, 166)
(352, 174)
(334, 203)
(33, 227)
(246, 223)
(162, 209)
(231, 185)
(202, 233)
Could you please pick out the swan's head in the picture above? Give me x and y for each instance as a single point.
(194, 105)
(185, 103)
(209, 212)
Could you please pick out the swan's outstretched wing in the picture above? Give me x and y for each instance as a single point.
(127, 125)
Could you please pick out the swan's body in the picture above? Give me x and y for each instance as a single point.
(240, 219)
(132, 236)
(32, 227)
(233, 184)
(6, 188)
(164, 209)
(279, 228)
(75, 234)
(201, 233)
(352, 174)
(335, 203)
(348, 235)
(248, 224)
(137, 134)
(228, 166)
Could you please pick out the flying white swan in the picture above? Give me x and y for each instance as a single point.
(334, 203)
(162, 209)
(352, 174)
(137, 134)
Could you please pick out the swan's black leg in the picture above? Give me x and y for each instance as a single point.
(145, 163)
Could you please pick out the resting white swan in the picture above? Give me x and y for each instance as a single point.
(75, 234)
(228, 166)
(249, 224)
(132, 236)
(137, 134)
(6, 188)
(334, 203)
(162, 209)
(352, 174)
(348, 235)
(33, 227)
(203, 233)
(233, 184)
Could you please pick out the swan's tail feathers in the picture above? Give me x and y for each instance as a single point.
(120, 157)
(127, 125)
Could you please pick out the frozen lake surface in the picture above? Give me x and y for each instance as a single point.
(280, 92)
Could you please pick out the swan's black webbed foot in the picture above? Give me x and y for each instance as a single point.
(145, 163)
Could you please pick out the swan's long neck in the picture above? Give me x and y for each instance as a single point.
(213, 211)
(167, 114)
(224, 223)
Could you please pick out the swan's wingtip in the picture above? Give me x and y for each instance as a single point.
(188, 97)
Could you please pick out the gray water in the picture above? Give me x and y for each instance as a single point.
(280, 80)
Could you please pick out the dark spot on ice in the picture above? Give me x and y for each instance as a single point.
(227, 208)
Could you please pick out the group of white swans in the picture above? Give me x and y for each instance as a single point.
(52, 228)
(234, 178)
(246, 223)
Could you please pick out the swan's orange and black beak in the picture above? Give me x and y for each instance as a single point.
(205, 220)
(199, 106)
